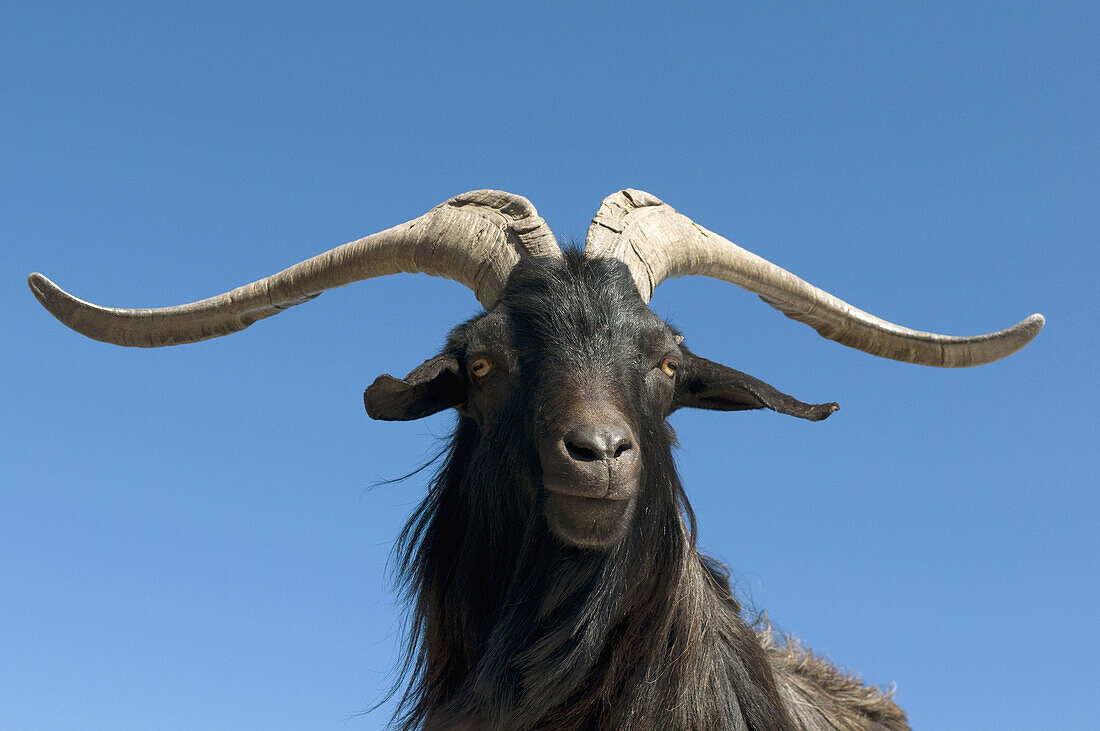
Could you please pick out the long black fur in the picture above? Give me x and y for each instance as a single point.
(511, 629)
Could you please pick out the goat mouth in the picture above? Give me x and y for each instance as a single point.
(592, 522)
(605, 483)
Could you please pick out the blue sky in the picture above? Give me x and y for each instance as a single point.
(188, 538)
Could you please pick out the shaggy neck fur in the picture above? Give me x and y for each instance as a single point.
(513, 630)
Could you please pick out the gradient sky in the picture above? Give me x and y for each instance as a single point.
(188, 536)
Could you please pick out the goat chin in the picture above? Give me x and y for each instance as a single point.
(588, 522)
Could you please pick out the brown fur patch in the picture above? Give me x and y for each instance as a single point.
(820, 696)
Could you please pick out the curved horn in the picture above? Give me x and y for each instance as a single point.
(475, 238)
(657, 243)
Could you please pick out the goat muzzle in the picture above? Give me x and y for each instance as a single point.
(591, 472)
(593, 457)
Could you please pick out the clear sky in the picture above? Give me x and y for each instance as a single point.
(188, 538)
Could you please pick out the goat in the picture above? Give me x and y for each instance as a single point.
(552, 567)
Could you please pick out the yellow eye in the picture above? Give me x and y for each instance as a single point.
(670, 366)
(481, 367)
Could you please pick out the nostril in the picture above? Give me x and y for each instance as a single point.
(580, 452)
(596, 445)
(623, 447)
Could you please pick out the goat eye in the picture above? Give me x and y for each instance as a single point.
(481, 367)
(670, 366)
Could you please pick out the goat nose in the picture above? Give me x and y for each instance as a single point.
(595, 443)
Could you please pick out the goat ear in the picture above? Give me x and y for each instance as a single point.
(704, 384)
(434, 385)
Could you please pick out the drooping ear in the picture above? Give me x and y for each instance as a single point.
(704, 384)
(434, 385)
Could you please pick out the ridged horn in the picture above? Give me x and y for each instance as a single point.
(657, 243)
(475, 238)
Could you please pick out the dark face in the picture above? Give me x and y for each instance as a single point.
(572, 358)
(592, 363)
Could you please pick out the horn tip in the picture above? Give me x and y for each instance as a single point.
(37, 282)
(1011, 340)
(47, 293)
(1034, 323)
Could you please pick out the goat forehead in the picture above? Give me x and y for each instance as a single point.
(570, 321)
(581, 329)
(577, 306)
